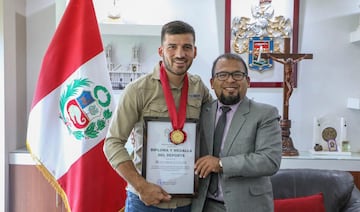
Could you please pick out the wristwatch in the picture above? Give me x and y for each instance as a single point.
(220, 163)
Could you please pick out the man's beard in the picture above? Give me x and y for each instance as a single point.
(229, 100)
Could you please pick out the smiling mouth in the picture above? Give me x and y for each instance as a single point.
(180, 62)
(230, 89)
(180, 65)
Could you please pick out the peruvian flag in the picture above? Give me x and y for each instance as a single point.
(70, 114)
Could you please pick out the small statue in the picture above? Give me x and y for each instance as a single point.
(318, 147)
(135, 59)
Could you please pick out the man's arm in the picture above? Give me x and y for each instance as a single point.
(264, 159)
(116, 153)
(260, 152)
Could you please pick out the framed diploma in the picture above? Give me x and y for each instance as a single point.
(168, 164)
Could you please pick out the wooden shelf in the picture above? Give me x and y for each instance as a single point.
(129, 29)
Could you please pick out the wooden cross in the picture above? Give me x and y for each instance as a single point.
(288, 60)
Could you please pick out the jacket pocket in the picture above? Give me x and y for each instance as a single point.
(260, 189)
(193, 109)
(156, 110)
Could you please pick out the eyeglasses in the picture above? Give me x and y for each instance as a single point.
(237, 75)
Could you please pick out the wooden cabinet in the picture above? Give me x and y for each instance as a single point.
(30, 191)
(356, 178)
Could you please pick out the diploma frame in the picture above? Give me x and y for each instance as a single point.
(169, 165)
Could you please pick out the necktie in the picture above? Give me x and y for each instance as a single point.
(218, 135)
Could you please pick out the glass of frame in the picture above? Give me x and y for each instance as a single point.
(170, 165)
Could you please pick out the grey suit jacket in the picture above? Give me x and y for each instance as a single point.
(251, 153)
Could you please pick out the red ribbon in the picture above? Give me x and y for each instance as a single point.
(177, 118)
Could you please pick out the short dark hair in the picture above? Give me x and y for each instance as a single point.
(176, 27)
(228, 56)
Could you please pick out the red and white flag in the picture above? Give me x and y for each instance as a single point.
(70, 114)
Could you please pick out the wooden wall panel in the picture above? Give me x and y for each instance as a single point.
(30, 191)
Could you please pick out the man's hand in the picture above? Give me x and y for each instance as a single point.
(149, 193)
(207, 164)
(152, 194)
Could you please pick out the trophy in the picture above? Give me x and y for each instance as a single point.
(108, 54)
(114, 13)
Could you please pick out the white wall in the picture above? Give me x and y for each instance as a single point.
(333, 75)
(40, 29)
(324, 83)
(13, 92)
(3, 153)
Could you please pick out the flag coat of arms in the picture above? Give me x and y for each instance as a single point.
(70, 114)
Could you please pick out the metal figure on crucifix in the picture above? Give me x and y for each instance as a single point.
(288, 60)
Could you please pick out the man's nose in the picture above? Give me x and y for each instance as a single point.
(179, 52)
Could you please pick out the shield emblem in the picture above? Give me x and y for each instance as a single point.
(82, 110)
(258, 46)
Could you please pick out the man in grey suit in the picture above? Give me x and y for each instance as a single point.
(236, 177)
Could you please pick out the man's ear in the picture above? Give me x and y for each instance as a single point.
(248, 81)
(211, 83)
(161, 51)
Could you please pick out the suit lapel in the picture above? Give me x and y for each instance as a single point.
(209, 113)
(236, 124)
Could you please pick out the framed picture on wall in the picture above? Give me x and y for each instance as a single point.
(249, 25)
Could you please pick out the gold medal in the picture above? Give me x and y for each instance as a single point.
(177, 136)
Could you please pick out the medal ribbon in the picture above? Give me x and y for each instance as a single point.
(177, 118)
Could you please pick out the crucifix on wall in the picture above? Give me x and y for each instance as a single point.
(288, 60)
